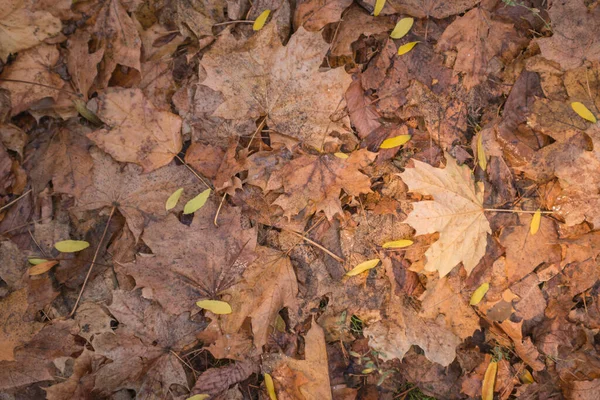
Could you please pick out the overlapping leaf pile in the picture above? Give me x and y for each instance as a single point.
(316, 143)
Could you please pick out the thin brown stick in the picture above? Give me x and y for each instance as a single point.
(40, 84)
(332, 255)
(260, 126)
(516, 211)
(192, 171)
(15, 200)
(237, 21)
(219, 210)
(112, 211)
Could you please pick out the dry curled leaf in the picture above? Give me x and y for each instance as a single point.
(456, 212)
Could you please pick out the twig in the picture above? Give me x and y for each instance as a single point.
(516, 211)
(237, 21)
(15, 200)
(260, 126)
(332, 255)
(192, 170)
(112, 211)
(219, 210)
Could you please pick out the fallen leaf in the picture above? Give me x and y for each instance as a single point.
(395, 141)
(136, 132)
(313, 183)
(362, 267)
(379, 4)
(397, 244)
(583, 111)
(71, 246)
(42, 268)
(196, 203)
(261, 77)
(489, 380)
(481, 156)
(18, 331)
(173, 199)
(215, 306)
(536, 220)
(270, 387)
(23, 28)
(37, 261)
(478, 294)
(199, 397)
(313, 15)
(402, 28)
(432, 8)
(405, 48)
(216, 380)
(478, 39)
(261, 20)
(81, 63)
(456, 212)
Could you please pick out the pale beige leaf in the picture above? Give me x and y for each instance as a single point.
(456, 212)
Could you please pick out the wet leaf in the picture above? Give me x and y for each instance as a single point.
(478, 294)
(534, 227)
(397, 244)
(405, 48)
(71, 246)
(261, 20)
(583, 111)
(362, 267)
(42, 268)
(402, 28)
(395, 142)
(215, 306)
(173, 199)
(196, 203)
(489, 380)
(270, 387)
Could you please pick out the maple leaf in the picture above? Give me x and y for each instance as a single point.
(456, 212)
(138, 197)
(195, 262)
(575, 34)
(478, 39)
(261, 77)
(313, 183)
(137, 132)
(80, 60)
(22, 28)
(33, 65)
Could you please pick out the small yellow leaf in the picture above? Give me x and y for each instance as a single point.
(378, 7)
(397, 244)
(343, 156)
(270, 387)
(36, 261)
(481, 158)
(583, 111)
(173, 199)
(362, 267)
(535, 222)
(367, 371)
(394, 142)
(199, 397)
(526, 377)
(489, 380)
(196, 203)
(215, 306)
(41, 268)
(478, 294)
(402, 28)
(71, 246)
(405, 48)
(261, 20)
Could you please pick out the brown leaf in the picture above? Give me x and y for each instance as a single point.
(208, 259)
(23, 27)
(575, 35)
(363, 114)
(313, 183)
(217, 380)
(478, 39)
(136, 131)
(261, 77)
(79, 384)
(205, 158)
(34, 66)
(313, 15)
(81, 63)
(431, 8)
(17, 329)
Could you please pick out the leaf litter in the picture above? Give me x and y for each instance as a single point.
(326, 199)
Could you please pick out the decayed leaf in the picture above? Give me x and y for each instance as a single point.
(261, 77)
(313, 15)
(456, 212)
(137, 132)
(313, 183)
(82, 63)
(432, 8)
(22, 28)
(17, 330)
(217, 380)
(71, 246)
(215, 306)
(134, 194)
(575, 34)
(35, 66)
(478, 39)
(208, 260)
(362, 267)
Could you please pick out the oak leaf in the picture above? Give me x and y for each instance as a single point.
(196, 262)
(136, 131)
(313, 183)
(261, 77)
(478, 39)
(22, 28)
(456, 212)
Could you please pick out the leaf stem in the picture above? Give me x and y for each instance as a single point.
(112, 211)
(332, 255)
(237, 21)
(192, 170)
(516, 211)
